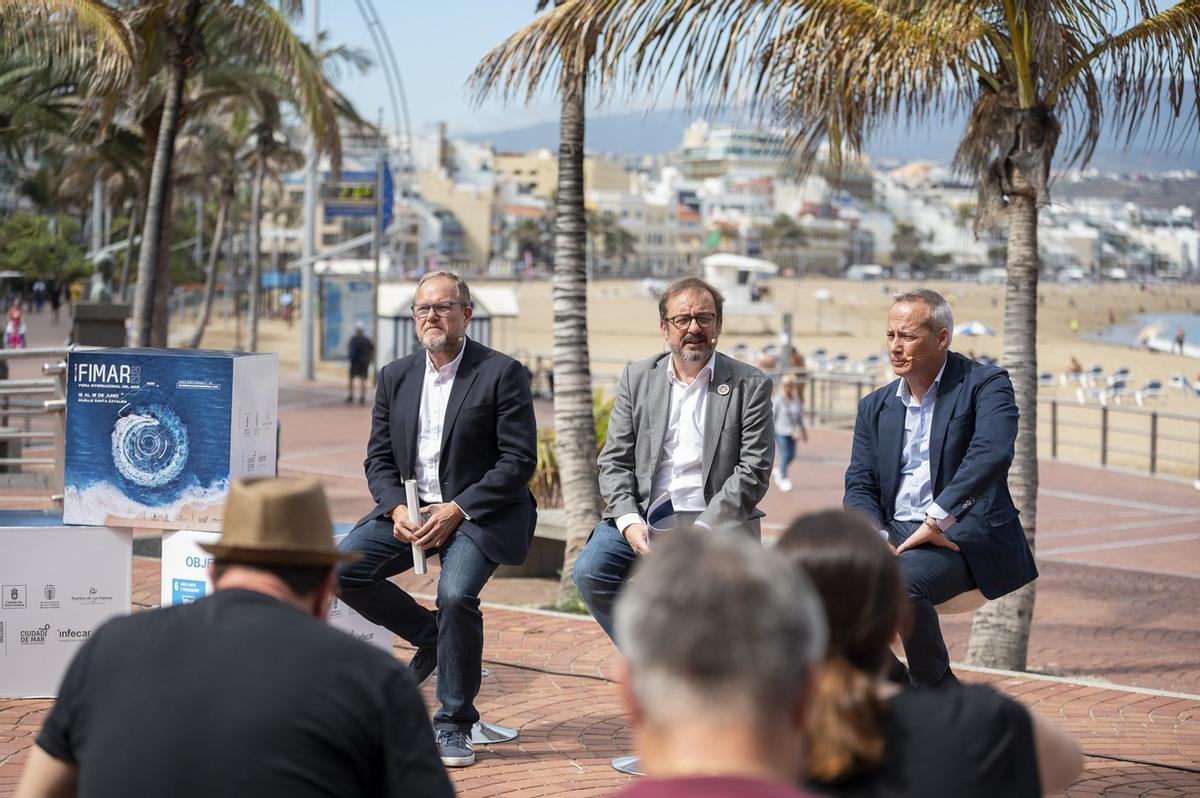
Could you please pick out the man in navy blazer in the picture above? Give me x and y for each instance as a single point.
(458, 418)
(930, 468)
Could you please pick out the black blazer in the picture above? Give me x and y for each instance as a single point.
(489, 447)
(970, 450)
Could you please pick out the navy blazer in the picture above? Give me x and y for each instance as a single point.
(970, 450)
(489, 447)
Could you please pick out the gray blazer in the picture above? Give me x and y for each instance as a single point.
(739, 441)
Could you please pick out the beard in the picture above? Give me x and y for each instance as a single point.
(693, 355)
(437, 340)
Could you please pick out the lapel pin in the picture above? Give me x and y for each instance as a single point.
(723, 389)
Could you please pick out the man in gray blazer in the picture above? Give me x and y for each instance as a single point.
(690, 442)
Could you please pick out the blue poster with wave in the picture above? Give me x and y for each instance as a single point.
(154, 435)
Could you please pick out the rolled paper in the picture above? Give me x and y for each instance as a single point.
(414, 515)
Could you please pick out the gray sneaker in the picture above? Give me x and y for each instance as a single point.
(454, 747)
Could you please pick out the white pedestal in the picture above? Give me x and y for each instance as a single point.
(57, 584)
(185, 579)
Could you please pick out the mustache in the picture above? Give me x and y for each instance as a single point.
(697, 338)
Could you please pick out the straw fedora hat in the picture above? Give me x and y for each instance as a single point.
(277, 522)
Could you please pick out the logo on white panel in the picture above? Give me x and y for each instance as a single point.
(35, 636)
(93, 596)
(49, 598)
(14, 597)
(74, 635)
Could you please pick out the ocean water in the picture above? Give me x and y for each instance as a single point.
(1127, 333)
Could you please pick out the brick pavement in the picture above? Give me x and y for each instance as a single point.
(550, 678)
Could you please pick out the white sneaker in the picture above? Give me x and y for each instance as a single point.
(785, 485)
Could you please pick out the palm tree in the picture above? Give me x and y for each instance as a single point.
(615, 241)
(271, 156)
(209, 155)
(574, 422)
(222, 40)
(1029, 71)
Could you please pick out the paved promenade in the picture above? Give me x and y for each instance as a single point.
(1115, 649)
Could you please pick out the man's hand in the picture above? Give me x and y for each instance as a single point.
(638, 537)
(928, 532)
(443, 520)
(403, 529)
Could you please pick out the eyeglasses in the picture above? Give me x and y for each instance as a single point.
(442, 309)
(683, 321)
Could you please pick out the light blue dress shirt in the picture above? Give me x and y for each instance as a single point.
(914, 499)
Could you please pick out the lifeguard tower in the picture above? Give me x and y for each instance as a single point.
(737, 276)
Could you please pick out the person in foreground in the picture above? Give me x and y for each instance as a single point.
(457, 417)
(690, 441)
(720, 642)
(871, 739)
(929, 467)
(247, 692)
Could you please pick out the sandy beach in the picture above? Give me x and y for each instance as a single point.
(623, 326)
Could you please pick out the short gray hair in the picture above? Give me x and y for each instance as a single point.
(464, 291)
(940, 315)
(712, 624)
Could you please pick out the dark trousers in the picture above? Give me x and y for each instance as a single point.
(931, 574)
(455, 629)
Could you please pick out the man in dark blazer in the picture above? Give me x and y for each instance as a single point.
(691, 430)
(457, 417)
(930, 468)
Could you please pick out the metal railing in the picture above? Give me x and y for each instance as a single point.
(33, 411)
(1135, 438)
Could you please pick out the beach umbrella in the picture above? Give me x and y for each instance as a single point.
(973, 328)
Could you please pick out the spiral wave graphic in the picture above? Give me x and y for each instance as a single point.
(150, 446)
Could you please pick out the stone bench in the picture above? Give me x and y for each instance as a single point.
(549, 543)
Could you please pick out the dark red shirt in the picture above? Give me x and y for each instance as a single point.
(710, 787)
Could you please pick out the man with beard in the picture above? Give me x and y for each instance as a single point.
(457, 417)
(690, 443)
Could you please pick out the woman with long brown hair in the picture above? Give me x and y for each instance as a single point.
(868, 737)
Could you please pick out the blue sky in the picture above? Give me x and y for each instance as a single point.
(437, 43)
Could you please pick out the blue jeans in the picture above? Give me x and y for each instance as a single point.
(601, 570)
(931, 574)
(455, 629)
(785, 453)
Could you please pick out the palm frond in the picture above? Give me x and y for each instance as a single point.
(89, 35)
(1151, 61)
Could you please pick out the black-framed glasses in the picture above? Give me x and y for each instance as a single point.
(684, 320)
(442, 309)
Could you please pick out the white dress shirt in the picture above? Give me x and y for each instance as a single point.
(914, 499)
(435, 396)
(680, 470)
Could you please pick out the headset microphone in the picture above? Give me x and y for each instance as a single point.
(712, 341)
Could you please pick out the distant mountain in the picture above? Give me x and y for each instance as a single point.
(653, 132)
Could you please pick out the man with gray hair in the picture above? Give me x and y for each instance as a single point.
(719, 643)
(930, 467)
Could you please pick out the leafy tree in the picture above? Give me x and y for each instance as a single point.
(30, 245)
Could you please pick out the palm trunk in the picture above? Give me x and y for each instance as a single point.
(1000, 631)
(162, 279)
(123, 288)
(574, 422)
(210, 273)
(260, 175)
(157, 202)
